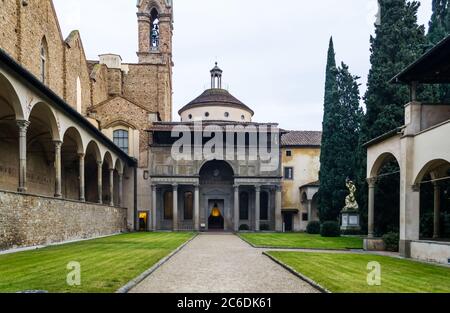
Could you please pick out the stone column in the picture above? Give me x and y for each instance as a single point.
(236, 208)
(23, 127)
(257, 207)
(120, 190)
(58, 146)
(310, 217)
(153, 217)
(437, 210)
(371, 209)
(81, 173)
(197, 208)
(175, 207)
(111, 187)
(99, 181)
(278, 217)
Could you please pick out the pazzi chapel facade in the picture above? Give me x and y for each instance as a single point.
(86, 146)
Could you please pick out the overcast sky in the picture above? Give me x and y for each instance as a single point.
(273, 53)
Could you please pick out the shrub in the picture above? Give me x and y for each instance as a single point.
(313, 228)
(264, 227)
(390, 241)
(244, 227)
(330, 229)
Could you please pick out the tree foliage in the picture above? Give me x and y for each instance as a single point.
(341, 126)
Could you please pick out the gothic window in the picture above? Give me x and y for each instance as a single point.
(79, 97)
(168, 205)
(289, 173)
(120, 138)
(264, 213)
(188, 205)
(154, 35)
(243, 206)
(43, 60)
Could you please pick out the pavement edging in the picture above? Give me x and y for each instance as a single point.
(299, 249)
(299, 275)
(133, 283)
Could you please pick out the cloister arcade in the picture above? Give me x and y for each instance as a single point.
(48, 150)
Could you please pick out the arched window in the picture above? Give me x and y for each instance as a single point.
(264, 205)
(154, 36)
(168, 205)
(188, 205)
(243, 206)
(120, 138)
(43, 60)
(79, 100)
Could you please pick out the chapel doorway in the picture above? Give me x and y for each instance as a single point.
(216, 221)
(288, 218)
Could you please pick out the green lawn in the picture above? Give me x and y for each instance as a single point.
(106, 264)
(302, 240)
(347, 273)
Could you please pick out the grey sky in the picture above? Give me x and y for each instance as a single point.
(273, 53)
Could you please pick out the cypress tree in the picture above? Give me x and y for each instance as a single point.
(398, 42)
(439, 28)
(342, 116)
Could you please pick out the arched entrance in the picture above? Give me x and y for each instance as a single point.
(216, 183)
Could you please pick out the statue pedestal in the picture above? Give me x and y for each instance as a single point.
(350, 221)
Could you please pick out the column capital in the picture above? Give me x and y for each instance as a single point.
(372, 181)
(258, 188)
(100, 163)
(58, 143)
(175, 186)
(23, 124)
(415, 188)
(81, 155)
(278, 188)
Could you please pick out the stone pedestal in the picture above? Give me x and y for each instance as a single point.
(350, 221)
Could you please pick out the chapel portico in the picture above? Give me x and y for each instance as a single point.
(227, 173)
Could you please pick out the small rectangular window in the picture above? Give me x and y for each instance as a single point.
(288, 153)
(289, 173)
(305, 217)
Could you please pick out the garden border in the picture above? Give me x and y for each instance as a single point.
(134, 282)
(299, 275)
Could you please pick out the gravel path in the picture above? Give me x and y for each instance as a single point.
(221, 263)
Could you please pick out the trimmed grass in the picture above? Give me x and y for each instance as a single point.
(347, 273)
(106, 264)
(302, 241)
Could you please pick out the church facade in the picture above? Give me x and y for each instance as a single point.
(88, 145)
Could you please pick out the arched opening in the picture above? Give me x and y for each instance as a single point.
(107, 184)
(244, 206)
(118, 183)
(71, 149)
(154, 34)
(79, 96)
(188, 206)
(386, 170)
(92, 159)
(10, 112)
(216, 180)
(41, 136)
(168, 205)
(435, 200)
(264, 206)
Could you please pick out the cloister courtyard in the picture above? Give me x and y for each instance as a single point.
(186, 262)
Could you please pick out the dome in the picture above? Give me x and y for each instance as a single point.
(216, 104)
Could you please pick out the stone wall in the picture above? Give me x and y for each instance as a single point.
(28, 220)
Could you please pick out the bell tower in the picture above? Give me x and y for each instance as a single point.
(155, 21)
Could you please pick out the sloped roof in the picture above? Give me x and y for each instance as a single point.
(217, 97)
(302, 138)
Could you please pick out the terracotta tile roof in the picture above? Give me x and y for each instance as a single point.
(220, 97)
(302, 138)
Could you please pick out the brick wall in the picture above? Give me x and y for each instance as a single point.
(27, 220)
